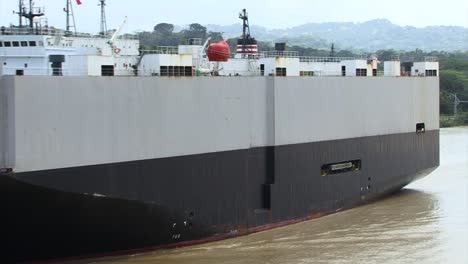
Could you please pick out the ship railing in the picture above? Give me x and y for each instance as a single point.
(181, 71)
(280, 54)
(324, 59)
(45, 31)
(169, 72)
(41, 71)
(295, 54)
(162, 50)
(431, 59)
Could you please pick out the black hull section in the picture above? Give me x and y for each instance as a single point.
(171, 201)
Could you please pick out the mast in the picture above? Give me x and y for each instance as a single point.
(246, 45)
(70, 18)
(103, 30)
(30, 15)
(332, 51)
(245, 28)
(20, 13)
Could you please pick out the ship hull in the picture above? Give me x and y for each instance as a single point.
(148, 204)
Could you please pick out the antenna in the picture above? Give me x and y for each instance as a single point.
(31, 14)
(20, 12)
(332, 51)
(103, 30)
(246, 45)
(70, 15)
(245, 28)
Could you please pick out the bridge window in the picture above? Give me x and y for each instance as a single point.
(15, 43)
(24, 43)
(280, 71)
(431, 72)
(175, 70)
(361, 72)
(1, 44)
(306, 73)
(7, 44)
(32, 43)
(107, 70)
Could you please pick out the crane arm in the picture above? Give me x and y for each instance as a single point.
(117, 33)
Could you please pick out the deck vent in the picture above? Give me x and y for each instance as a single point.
(420, 128)
(340, 167)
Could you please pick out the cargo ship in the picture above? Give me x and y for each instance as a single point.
(106, 149)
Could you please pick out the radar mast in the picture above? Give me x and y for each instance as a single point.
(28, 14)
(332, 50)
(245, 28)
(70, 18)
(103, 30)
(246, 45)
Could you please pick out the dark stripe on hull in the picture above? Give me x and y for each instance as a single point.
(46, 214)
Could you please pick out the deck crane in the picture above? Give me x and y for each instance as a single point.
(111, 41)
(202, 59)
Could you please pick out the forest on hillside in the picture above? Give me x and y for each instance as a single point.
(453, 65)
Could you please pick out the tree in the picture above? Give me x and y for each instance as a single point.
(195, 30)
(386, 55)
(164, 28)
(264, 46)
(345, 53)
(215, 36)
(453, 81)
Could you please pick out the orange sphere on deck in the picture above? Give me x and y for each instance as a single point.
(218, 51)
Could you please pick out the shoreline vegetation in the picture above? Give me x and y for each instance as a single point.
(453, 65)
(454, 121)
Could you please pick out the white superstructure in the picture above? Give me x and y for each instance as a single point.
(34, 54)
(52, 53)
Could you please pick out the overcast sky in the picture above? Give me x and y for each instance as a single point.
(144, 14)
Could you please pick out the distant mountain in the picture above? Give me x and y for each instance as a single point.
(367, 36)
